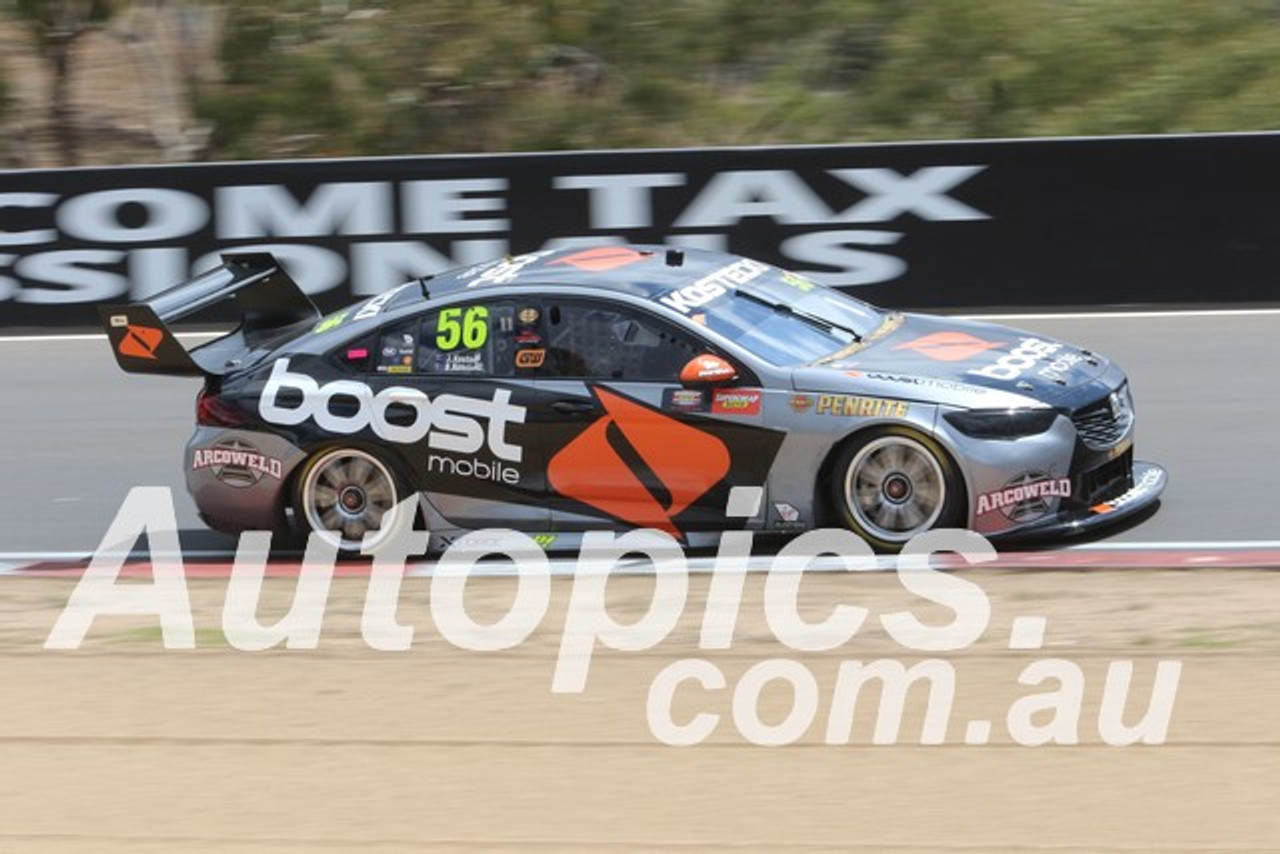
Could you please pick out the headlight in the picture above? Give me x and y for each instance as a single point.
(1002, 423)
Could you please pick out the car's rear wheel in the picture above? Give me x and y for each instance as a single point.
(344, 494)
(893, 484)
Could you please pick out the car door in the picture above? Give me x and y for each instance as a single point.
(627, 442)
(481, 463)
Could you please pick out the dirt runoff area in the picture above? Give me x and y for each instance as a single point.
(122, 746)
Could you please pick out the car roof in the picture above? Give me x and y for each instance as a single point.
(640, 270)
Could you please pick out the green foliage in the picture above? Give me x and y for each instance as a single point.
(397, 76)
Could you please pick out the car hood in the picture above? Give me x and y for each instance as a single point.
(959, 355)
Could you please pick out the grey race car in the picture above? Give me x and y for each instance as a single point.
(692, 392)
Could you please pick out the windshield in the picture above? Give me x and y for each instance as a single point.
(786, 319)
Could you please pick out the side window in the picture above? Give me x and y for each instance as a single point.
(480, 339)
(589, 339)
(396, 347)
(500, 338)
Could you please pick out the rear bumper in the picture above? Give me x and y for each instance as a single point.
(1149, 481)
(239, 479)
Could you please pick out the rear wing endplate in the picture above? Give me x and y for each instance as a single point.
(267, 298)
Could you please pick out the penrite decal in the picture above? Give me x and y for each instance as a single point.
(685, 462)
(949, 346)
(140, 342)
(847, 404)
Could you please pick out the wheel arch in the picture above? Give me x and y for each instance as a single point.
(826, 514)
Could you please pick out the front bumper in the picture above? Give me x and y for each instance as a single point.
(1149, 481)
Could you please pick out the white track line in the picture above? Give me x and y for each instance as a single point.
(1126, 315)
(1154, 545)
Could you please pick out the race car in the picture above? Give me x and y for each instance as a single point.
(688, 391)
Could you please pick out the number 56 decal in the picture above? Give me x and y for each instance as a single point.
(469, 329)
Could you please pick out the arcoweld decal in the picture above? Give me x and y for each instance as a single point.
(449, 422)
(96, 235)
(236, 462)
(1026, 497)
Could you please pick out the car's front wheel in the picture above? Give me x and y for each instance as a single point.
(890, 485)
(346, 494)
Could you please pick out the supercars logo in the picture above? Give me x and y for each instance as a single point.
(603, 259)
(140, 342)
(949, 346)
(638, 465)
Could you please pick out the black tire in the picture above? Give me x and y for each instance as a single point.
(892, 483)
(343, 493)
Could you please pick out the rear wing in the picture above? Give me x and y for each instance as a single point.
(268, 300)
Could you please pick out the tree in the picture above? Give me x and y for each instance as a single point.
(57, 25)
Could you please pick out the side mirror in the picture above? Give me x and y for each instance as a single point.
(706, 371)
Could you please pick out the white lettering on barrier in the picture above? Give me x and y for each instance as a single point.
(134, 217)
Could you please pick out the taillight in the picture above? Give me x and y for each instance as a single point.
(213, 411)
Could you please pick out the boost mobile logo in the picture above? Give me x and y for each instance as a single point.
(449, 422)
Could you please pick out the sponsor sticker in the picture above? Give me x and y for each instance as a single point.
(140, 342)
(801, 402)
(502, 272)
(374, 307)
(119, 320)
(863, 407)
(927, 382)
(530, 358)
(713, 285)
(333, 321)
(460, 363)
(1026, 497)
(236, 463)
(787, 517)
(736, 402)
(447, 422)
(1148, 480)
(685, 400)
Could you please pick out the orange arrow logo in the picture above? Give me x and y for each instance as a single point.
(602, 259)
(140, 342)
(949, 346)
(671, 464)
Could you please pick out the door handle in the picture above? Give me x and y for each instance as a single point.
(573, 407)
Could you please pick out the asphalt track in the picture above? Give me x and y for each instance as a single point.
(78, 433)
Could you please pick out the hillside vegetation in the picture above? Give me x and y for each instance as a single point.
(327, 77)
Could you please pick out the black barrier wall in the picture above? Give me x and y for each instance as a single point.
(1029, 223)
